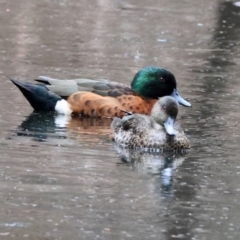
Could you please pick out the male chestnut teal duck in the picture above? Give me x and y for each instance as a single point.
(157, 131)
(101, 98)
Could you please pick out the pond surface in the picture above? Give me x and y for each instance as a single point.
(64, 178)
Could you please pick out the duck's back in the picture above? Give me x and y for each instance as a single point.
(133, 130)
(102, 87)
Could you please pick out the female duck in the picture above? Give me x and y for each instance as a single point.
(157, 131)
(101, 98)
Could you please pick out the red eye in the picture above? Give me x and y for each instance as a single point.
(161, 79)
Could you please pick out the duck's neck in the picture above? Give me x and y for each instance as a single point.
(150, 103)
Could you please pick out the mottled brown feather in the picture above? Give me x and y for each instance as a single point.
(93, 105)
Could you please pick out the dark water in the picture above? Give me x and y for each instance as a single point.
(64, 178)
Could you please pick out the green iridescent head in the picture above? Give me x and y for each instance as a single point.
(154, 82)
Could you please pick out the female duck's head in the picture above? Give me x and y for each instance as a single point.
(164, 112)
(154, 82)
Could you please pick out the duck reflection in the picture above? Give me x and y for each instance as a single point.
(90, 131)
(162, 164)
(40, 126)
(37, 125)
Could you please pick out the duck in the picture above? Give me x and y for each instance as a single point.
(159, 130)
(101, 98)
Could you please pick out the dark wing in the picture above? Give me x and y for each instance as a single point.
(103, 87)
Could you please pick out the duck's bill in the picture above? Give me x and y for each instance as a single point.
(169, 126)
(180, 100)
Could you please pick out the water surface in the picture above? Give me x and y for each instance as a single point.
(63, 180)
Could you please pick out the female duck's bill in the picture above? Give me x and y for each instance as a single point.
(169, 126)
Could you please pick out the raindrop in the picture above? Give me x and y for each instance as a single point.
(161, 40)
(237, 4)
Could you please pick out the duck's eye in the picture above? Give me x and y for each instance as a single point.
(161, 79)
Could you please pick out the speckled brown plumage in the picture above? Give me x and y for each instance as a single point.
(140, 131)
(93, 105)
(143, 131)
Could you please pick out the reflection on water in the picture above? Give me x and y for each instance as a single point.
(162, 164)
(90, 185)
(40, 125)
(63, 178)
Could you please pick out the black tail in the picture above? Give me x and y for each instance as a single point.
(40, 98)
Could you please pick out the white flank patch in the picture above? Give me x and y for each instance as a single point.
(62, 107)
